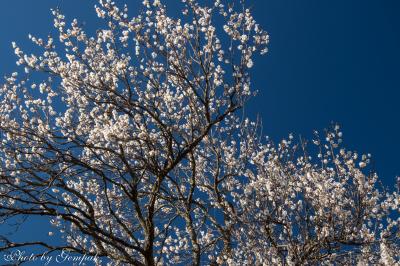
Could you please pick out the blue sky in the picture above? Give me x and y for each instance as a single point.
(328, 61)
(333, 61)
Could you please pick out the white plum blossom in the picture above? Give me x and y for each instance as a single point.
(132, 143)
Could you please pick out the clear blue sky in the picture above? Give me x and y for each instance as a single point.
(328, 61)
(334, 61)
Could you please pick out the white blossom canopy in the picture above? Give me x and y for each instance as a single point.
(133, 146)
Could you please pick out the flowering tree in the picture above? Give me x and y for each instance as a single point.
(133, 148)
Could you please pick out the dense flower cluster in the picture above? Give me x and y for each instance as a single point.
(132, 146)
